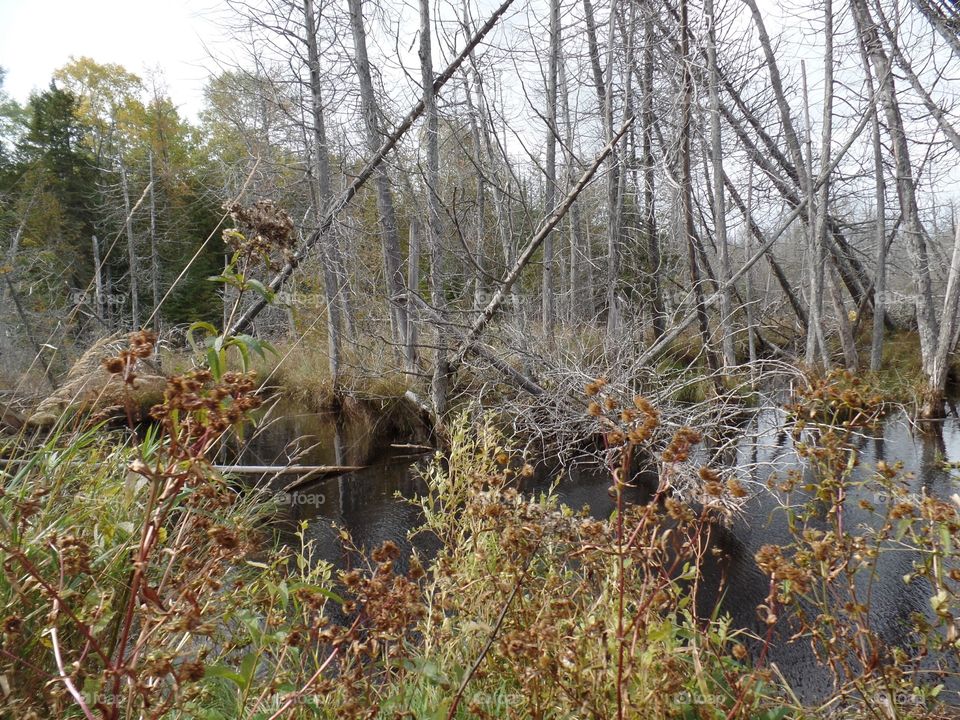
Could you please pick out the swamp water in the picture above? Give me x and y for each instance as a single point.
(372, 504)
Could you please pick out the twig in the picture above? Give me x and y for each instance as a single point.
(306, 686)
(66, 678)
(71, 688)
(486, 648)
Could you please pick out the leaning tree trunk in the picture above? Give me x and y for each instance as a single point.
(926, 318)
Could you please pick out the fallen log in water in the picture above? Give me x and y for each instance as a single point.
(288, 469)
(307, 472)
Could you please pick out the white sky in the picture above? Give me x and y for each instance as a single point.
(39, 36)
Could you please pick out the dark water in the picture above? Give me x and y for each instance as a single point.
(763, 521)
(372, 504)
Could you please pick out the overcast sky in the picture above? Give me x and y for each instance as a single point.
(39, 36)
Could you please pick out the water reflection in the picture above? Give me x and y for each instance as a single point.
(374, 505)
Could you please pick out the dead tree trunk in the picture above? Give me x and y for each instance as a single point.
(751, 330)
(719, 201)
(580, 307)
(413, 283)
(131, 251)
(390, 241)
(926, 319)
(336, 293)
(939, 363)
(548, 290)
(550, 195)
(154, 243)
(373, 164)
(614, 185)
(98, 298)
(440, 384)
(658, 312)
(686, 189)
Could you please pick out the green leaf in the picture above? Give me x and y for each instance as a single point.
(248, 668)
(213, 362)
(199, 325)
(945, 540)
(222, 671)
(329, 594)
(244, 352)
(261, 289)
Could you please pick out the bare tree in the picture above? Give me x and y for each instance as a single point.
(549, 311)
(389, 238)
(441, 370)
(719, 201)
(334, 278)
